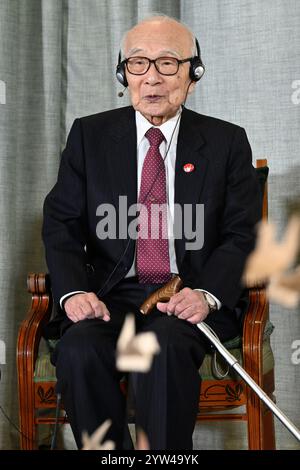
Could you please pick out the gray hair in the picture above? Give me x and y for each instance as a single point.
(163, 17)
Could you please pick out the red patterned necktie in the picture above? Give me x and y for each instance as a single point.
(153, 262)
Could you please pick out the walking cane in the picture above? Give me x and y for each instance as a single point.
(171, 288)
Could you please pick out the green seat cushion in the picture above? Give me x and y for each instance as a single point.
(45, 371)
(207, 369)
(214, 362)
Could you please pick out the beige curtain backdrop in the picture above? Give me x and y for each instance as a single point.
(57, 62)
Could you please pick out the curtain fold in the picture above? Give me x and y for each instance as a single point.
(30, 121)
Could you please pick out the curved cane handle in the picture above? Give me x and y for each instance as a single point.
(161, 295)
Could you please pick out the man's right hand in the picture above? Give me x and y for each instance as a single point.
(82, 306)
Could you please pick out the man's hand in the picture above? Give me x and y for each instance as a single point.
(187, 304)
(81, 306)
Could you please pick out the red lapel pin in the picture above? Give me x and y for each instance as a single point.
(188, 167)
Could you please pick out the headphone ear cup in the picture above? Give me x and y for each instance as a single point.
(120, 74)
(196, 69)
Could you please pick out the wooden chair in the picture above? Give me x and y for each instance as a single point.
(36, 376)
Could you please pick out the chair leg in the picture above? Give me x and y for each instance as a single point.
(27, 421)
(254, 421)
(26, 401)
(268, 430)
(261, 432)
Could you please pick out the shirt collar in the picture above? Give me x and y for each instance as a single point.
(143, 125)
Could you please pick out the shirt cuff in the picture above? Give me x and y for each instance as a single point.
(64, 297)
(219, 304)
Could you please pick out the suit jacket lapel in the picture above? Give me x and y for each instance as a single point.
(188, 185)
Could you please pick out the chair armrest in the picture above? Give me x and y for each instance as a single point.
(254, 326)
(31, 328)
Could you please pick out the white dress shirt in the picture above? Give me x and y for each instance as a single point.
(167, 150)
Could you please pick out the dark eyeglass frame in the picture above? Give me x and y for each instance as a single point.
(153, 61)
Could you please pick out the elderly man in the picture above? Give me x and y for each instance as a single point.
(155, 152)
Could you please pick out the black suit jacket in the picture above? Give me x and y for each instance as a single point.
(99, 164)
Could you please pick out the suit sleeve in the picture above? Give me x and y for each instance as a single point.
(242, 210)
(64, 225)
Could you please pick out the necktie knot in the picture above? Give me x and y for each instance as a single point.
(155, 137)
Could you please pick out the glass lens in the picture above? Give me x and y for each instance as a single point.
(137, 65)
(167, 65)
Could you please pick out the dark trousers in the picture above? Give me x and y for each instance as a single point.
(166, 398)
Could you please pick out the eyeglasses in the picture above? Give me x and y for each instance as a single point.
(164, 65)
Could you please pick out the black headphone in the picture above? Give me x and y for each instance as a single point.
(197, 68)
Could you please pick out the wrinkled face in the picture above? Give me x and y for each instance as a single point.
(156, 96)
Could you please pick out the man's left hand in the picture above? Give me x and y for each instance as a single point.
(187, 304)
